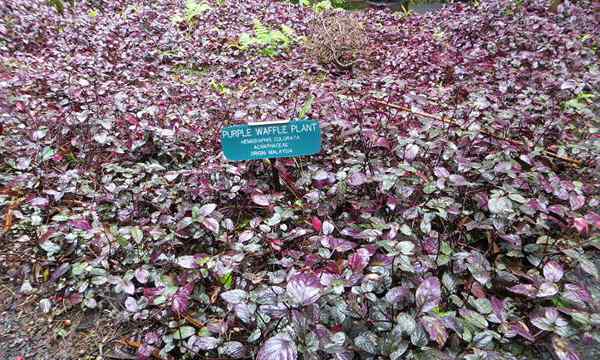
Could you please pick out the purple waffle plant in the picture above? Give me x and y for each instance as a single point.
(406, 237)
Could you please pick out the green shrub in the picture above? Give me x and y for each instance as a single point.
(271, 42)
(191, 12)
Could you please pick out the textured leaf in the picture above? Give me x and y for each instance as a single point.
(304, 289)
(396, 294)
(564, 350)
(211, 224)
(327, 228)
(357, 179)
(428, 294)
(80, 224)
(141, 275)
(279, 347)
(359, 260)
(203, 343)
(458, 180)
(524, 289)
(411, 151)
(261, 199)
(339, 245)
(233, 349)
(436, 329)
(499, 205)
(367, 342)
(547, 289)
(553, 271)
(235, 296)
(521, 329)
(184, 332)
(131, 304)
(181, 299)
(207, 209)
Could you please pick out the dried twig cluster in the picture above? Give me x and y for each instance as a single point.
(336, 38)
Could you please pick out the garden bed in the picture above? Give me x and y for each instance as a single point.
(453, 211)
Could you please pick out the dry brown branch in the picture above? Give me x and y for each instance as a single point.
(571, 161)
(136, 345)
(195, 323)
(336, 38)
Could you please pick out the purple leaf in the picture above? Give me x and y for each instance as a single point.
(190, 261)
(581, 225)
(441, 172)
(245, 236)
(327, 228)
(411, 151)
(396, 294)
(553, 271)
(80, 224)
(547, 289)
(538, 205)
(261, 199)
(233, 349)
(576, 201)
(152, 337)
(563, 349)
(357, 179)
(436, 329)
(279, 347)
(60, 271)
(207, 209)
(211, 224)
(304, 289)
(126, 285)
(141, 275)
(524, 289)
(458, 180)
(498, 308)
(202, 343)
(39, 202)
(479, 267)
(235, 296)
(359, 260)
(151, 293)
(593, 219)
(557, 209)
(513, 239)
(145, 351)
(577, 294)
(131, 304)
(428, 294)
(521, 329)
(181, 299)
(339, 245)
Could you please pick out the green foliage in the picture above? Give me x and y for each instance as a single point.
(580, 102)
(306, 107)
(319, 6)
(513, 8)
(58, 6)
(270, 41)
(220, 88)
(227, 280)
(323, 6)
(192, 11)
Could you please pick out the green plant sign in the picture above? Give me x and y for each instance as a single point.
(271, 140)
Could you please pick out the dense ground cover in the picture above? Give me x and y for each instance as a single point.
(406, 237)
